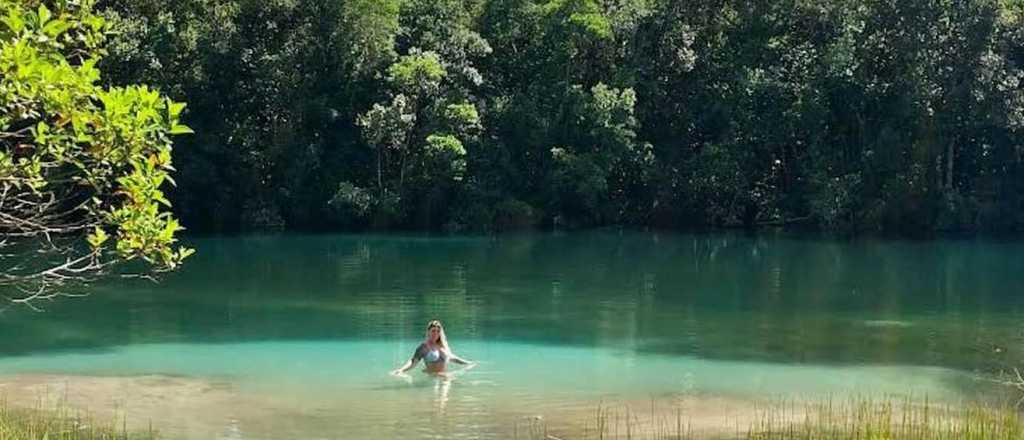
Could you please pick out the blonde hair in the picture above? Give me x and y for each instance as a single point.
(442, 340)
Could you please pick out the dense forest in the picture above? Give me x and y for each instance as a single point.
(856, 116)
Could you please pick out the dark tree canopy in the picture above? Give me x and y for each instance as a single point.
(884, 116)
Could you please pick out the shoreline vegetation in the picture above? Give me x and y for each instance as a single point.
(864, 418)
(63, 423)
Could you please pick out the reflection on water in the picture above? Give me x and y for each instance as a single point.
(633, 314)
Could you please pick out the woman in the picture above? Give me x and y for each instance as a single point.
(434, 351)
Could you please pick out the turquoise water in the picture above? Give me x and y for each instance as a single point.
(293, 336)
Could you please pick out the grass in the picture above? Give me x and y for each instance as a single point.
(854, 419)
(61, 423)
(897, 420)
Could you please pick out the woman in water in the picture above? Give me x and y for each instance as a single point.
(434, 351)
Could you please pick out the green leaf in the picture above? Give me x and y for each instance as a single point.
(174, 109)
(162, 200)
(44, 14)
(97, 238)
(14, 21)
(56, 27)
(41, 130)
(180, 129)
(169, 230)
(184, 253)
(96, 22)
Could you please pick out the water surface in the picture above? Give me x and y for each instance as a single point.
(292, 336)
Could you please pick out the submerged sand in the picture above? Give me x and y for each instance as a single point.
(177, 407)
(684, 416)
(201, 408)
(210, 408)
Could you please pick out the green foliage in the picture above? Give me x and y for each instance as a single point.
(462, 118)
(62, 423)
(447, 151)
(611, 113)
(582, 182)
(368, 30)
(883, 116)
(420, 156)
(447, 28)
(445, 145)
(65, 137)
(351, 205)
(388, 127)
(836, 206)
(418, 74)
(587, 18)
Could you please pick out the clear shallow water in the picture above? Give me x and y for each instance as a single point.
(296, 333)
(530, 371)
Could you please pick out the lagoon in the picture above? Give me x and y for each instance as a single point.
(292, 336)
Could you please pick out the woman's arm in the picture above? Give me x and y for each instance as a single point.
(459, 360)
(415, 359)
(406, 366)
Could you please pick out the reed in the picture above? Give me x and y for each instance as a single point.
(849, 419)
(62, 423)
(904, 419)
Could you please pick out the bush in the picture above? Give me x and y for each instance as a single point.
(351, 205)
(512, 214)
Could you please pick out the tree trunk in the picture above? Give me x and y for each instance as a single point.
(949, 165)
(380, 180)
(401, 172)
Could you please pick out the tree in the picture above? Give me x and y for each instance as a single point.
(879, 115)
(81, 166)
(417, 136)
